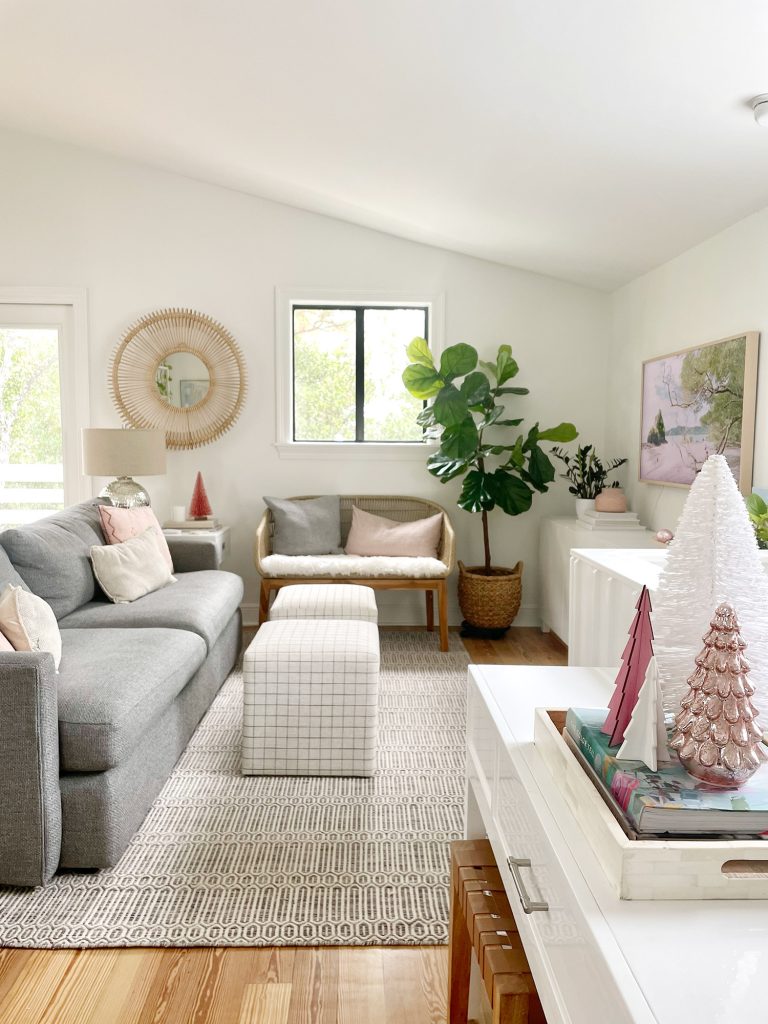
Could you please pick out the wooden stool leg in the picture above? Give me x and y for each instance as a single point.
(264, 602)
(442, 609)
(459, 963)
(429, 595)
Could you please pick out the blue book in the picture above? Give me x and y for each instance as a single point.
(668, 800)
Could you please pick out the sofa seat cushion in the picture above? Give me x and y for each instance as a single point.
(359, 566)
(202, 602)
(112, 684)
(53, 556)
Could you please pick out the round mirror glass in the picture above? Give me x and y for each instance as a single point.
(182, 379)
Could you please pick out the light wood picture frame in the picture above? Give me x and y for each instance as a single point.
(146, 345)
(697, 402)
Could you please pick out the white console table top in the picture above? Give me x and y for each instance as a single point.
(693, 962)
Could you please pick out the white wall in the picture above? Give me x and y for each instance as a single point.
(139, 239)
(717, 289)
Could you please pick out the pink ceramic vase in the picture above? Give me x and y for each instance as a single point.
(611, 499)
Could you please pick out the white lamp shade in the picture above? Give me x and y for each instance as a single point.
(123, 452)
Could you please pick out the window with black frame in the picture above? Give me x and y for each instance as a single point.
(348, 362)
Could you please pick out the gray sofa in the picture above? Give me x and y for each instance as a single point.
(83, 753)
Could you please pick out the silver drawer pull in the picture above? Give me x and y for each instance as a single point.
(529, 905)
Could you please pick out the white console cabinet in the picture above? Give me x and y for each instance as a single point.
(594, 957)
(558, 535)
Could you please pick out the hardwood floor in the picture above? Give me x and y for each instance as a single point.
(360, 985)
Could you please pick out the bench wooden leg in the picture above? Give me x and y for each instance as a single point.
(442, 610)
(430, 595)
(459, 963)
(264, 602)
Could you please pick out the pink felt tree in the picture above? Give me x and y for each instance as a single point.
(199, 506)
(635, 658)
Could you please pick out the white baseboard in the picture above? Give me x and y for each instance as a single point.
(527, 616)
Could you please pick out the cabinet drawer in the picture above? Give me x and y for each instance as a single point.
(557, 939)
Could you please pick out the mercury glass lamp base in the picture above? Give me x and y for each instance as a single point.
(125, 493)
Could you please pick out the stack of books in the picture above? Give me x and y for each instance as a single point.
(669, 801)
(209, 523)
(610, 520)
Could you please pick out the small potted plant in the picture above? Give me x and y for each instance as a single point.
(588, 477)
(502, 470)
(758, 515)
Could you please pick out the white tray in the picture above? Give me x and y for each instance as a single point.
(649, 869)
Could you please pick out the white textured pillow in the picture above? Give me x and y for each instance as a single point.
(131, 569)
(29, 623)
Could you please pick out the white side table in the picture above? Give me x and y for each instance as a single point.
(218, 537)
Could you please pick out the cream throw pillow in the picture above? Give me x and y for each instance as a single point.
(28, 622)
(132, 569)
(375, 535)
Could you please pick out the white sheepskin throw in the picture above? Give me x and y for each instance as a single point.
(713, 558)
(379, 566)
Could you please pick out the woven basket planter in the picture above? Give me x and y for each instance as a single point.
(490, 598)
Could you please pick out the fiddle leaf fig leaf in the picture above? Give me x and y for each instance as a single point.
(476, 390)
(506, 367)
(460, 441)
(444, 467)
(421, 381)
(475, 496)
(562, 432)
(457, 360)
(450, 406)
(510, 493)
(418, 352)
(513, 391)
(508, 423)
(426, 417)
(541, 472)
(492, 417)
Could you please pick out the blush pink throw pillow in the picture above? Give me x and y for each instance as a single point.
(375, 535)
(5, 643)
(120, 524)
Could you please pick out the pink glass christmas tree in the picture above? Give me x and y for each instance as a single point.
(635, 658)
(716, 735)
(199, 506)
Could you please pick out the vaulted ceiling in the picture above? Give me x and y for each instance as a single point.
(586, 139)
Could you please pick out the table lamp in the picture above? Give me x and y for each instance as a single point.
(121, 452)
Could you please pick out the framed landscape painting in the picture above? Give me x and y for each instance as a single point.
(696, 403)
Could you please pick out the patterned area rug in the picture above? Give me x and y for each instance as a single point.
(223, 860)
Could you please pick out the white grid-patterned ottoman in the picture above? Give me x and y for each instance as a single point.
(311, 698)
(325, 601)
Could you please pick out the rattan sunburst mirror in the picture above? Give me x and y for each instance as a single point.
(179, 371)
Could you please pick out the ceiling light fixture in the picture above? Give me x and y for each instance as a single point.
(760, 108)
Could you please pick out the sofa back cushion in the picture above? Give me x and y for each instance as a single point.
(52, 556)
(7, 573)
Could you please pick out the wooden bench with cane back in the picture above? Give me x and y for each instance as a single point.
(379, 572)
(482, 925)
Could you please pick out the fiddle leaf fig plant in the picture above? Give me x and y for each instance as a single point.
(501, 466)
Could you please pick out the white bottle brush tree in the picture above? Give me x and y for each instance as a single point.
(713, 558)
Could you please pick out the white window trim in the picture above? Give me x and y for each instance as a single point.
(285, 299)
(74, 373)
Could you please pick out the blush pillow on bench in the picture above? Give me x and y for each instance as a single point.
(375, 535)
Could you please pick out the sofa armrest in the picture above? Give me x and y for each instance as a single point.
(261, 542)
(192, 556)
(30, 797)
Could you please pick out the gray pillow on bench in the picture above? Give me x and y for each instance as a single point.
(311, 527)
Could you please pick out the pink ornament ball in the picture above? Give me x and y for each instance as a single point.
(664, 536)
